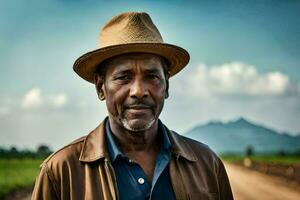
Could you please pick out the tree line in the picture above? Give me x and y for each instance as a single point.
(250, 151)
(41, 151)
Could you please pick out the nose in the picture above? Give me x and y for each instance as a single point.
(138, 89)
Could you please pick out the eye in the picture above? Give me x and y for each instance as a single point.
(123, 77)
(152, 76)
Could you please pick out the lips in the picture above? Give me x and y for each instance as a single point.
(138, 109)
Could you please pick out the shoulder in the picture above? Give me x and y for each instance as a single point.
(66, 155)
(57, 166)
(201, 151)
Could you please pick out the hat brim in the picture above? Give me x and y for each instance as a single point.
(86, 65)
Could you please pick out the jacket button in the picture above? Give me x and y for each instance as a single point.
(141, 181)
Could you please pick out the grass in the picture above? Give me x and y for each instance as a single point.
(286, 160)
(17, 173)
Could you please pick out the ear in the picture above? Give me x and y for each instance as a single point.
(167, 85)
(99, 84)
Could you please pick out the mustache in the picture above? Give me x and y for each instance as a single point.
(139, 103)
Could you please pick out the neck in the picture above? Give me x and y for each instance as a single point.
(130, 141)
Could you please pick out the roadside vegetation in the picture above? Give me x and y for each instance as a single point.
(17, 174)
(18, 169)
(275, 159)
(281, 163)
(279, 157)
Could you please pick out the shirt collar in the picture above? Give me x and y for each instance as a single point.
(115, 152)
(166, 144)
(113, 149)
(94, 145)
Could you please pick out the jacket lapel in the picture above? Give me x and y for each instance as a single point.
(94, 147)
(180, 148)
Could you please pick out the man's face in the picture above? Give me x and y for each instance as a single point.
(134, 88)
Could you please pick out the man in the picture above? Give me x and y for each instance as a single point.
(131, 154)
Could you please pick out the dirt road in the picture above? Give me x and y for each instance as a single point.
(251, 185)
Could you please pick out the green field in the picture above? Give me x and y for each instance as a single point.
(286, 160)
(17, 173)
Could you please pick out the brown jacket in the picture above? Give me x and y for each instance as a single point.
(82, 170)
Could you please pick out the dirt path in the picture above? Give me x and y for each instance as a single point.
(251, 185)
(24, 194)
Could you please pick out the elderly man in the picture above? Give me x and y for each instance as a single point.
(131, 154)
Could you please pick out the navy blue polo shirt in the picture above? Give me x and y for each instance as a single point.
(131, 179)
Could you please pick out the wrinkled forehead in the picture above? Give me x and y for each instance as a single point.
(128, 61)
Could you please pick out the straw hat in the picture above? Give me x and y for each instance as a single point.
(130, 32)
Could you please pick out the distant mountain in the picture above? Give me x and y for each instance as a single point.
(235, 136)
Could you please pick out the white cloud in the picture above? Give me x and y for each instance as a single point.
(32, 99)
(59, 100)
(36, 99)
(236, 78)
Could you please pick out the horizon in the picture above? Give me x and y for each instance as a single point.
(244, 62)
(257, 124)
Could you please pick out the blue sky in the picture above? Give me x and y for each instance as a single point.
(244, 62)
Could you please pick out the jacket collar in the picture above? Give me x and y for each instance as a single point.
(179, 146)
(94, 147)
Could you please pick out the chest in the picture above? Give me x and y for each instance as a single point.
(146, 161)
(149, 180)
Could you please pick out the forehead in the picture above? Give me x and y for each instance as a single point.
(129, 61)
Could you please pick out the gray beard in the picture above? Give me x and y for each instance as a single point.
(129, 127)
